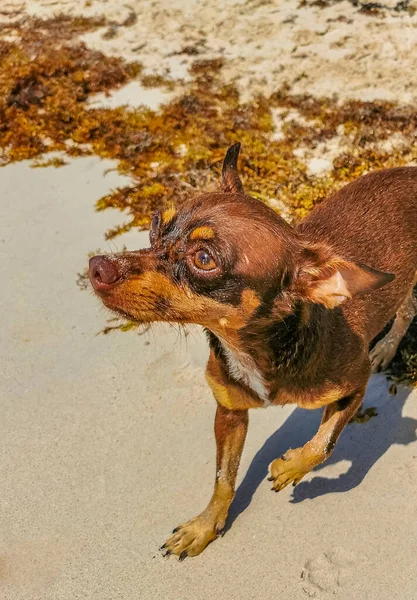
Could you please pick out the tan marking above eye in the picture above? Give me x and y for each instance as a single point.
(202, 233)
(168, 215)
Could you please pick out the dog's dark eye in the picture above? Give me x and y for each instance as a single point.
(204, 261)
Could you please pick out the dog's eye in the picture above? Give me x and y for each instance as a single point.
(204, 261)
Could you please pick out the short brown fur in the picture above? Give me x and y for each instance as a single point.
(289, 312)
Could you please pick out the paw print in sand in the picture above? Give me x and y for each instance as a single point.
(329, 572)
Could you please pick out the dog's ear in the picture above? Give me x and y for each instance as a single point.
(328, 279)
(231, 183)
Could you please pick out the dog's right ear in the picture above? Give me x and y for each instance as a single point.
(231, 183)
(328, 279)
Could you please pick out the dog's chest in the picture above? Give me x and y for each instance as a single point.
(242, 368)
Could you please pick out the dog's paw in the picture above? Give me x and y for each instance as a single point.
(382, 354)
(290, 468)
(191, 538)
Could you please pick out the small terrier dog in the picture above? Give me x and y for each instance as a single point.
(289, 311)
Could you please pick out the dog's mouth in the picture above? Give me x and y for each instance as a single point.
(140, 311)
(139, 317)
(119, 291)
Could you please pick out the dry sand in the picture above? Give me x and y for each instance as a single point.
(107, 442)
(265, 42)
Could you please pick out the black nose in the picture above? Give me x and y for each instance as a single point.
(103, 272)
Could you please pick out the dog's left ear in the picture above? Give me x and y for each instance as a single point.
(231, 183)
(328, 279)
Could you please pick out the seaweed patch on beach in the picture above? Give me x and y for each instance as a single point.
(297, 149)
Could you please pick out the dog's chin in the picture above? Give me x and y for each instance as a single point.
(138, 318)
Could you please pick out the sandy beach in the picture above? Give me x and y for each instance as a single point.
(338, 49)
(107, 440)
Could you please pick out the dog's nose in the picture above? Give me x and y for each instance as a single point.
(103, 272)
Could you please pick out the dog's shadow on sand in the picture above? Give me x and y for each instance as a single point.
(362, 444)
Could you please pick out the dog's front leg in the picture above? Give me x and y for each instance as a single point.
(190, 539)
(297, 462)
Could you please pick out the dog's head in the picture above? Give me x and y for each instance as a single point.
(222, 260)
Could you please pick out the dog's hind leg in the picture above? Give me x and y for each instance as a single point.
(384, 351)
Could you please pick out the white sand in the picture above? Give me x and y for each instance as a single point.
(133, 95)
(265, 42)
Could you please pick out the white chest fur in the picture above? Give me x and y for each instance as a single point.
(242, 368)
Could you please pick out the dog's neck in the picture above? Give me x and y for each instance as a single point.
(282, 352)
(294, 345)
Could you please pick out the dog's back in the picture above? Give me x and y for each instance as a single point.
(373, 220)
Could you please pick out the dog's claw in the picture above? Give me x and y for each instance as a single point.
(220, 532)
(176, 529)
(164, 550)
(183, 555)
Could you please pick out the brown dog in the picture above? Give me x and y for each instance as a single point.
(289, 312)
